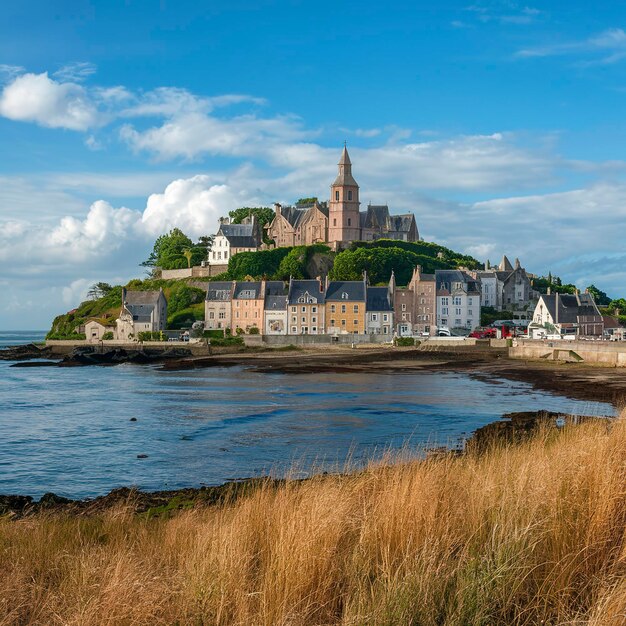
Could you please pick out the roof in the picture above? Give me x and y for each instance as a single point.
(219, 291)
(344, 176)
(354, 290)
(242, 242)
(247, 290)
(275, 303)
(570, 307)
(298, 288)
(142, 297)
(611, 322)
(275, 288)
(444, 279)
(240, 235)
(505, 264)
(378, 299)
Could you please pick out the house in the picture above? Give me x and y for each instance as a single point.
(340, 221)
(568, 314)
(96, 329)
(458, 299)
(217, 305)
(141, 311)
(613, 328)
(506, 287)
(415, 306)
(345, 306)
(305, 302)
(275, 308)
(379, 309)
(247, 305)
(231, 239)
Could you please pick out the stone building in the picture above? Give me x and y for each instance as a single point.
(247, 305)
(415, 306)
(379, 310)
(305, 302)
(218, 305)
(567, 314)
(506, 287)
(458, 299)
(345, 307)
(340, 221)
(141, 311)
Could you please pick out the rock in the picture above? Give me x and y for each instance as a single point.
(142, 456)
(14, 504)
(51, 500)
(133, 419)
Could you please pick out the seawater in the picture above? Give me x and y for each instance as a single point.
(69, 430)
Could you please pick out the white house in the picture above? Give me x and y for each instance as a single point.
(379, 310)
(231, 239)
(458, 299)
(568, 314)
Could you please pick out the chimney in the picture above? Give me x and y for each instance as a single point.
(277, 208)
(549, 293)
(487, 265)
(517, 264)
(325, 287)
(556, 307)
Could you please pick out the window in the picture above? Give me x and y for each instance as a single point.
(385, 318)
(343, 308)
(314, 329)
(332, 322)
(385, 330)
(458, 311)
(422, 301)
(293, 309)
(349, 194)
(314, 309)
(457, 301)
(334, 222)
(237, 314)
(336, 196)
(344, 295)
(211, 315)
(222, 315)
(404, 307)
(304, 309)
(343, 322)
(469, 302)
(349, 222)
(294, 319)
(444, 301)
(304, 320)
(332, 308)
(457, 322)
(374, 317)
(314, 319)
(404, 317)
(444, 310)
(444, 321)
(355, 308)
(294, 329)
(355, 322)
(225, 254)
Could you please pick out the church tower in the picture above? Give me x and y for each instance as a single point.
(343, 210)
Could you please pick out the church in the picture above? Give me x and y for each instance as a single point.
(339, 221)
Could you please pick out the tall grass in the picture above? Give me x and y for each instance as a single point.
(531, 534)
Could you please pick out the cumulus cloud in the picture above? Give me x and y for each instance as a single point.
(37, 98)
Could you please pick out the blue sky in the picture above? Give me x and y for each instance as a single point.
(500, 124)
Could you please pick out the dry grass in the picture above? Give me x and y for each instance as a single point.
(533, 534)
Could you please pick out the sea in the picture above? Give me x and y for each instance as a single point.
(82, 431)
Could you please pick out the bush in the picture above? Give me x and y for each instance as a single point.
(239, 331)
(209, 334)
(67, 336)
(253, 331)
(405, 341)
(226, 341)
(107, 336)
(148, 335)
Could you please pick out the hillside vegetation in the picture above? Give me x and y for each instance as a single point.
(518, 535)
(185, 304)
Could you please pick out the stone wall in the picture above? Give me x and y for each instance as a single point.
(311, 340)
(194, 272)
(600, 352)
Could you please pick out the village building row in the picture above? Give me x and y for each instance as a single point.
(303, 307)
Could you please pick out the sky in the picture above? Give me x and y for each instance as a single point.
(500, 124)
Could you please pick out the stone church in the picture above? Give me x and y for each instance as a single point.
(340, 221)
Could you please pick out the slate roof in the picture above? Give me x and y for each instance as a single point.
(355, 290)
(239, 235)
(344, 177)
(378, 299)
(253, 286)
(275, 303)
(299, 288)
(142, 297)
(444, 279)
(377, 217)
(219, 291)
(570, 307)
(275, 288)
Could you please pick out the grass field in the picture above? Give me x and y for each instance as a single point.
(528, 534)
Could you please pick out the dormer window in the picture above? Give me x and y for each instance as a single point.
(344, 295)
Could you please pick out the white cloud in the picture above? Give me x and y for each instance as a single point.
(76, 291)
(605, 48)
(37, 98)
(9, 72)
(75, 72)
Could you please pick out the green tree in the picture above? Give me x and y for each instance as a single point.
(188, 254)
(305, 201)
(168, 252)
(263, 214)
(599, 296)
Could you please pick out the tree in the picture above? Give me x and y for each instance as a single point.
(168, 252)
(263, 214)
(599, 296)
(99, 290)
(188, 254)
(310, 200)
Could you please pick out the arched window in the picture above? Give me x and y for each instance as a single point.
(349, 194)
(337, 196)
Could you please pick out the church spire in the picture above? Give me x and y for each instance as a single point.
(344, 176)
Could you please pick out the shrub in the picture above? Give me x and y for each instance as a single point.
(253, 330)
(239, 331)
(405, 341)
(226, 341)
(148, 335)
(67, 336)
(107, 336)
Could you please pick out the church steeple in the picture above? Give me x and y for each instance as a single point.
(343, 211)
